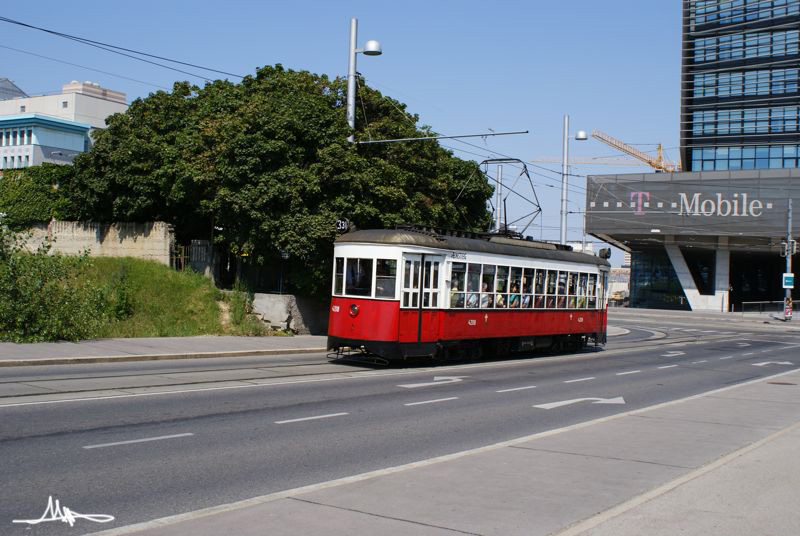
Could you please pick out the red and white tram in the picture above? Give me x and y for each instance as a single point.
(419, 293)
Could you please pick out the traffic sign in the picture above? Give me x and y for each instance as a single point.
(788, 280)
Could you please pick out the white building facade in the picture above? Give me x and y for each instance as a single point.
(54, 128)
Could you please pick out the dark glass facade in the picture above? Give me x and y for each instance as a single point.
(740, 103)
(654, 284)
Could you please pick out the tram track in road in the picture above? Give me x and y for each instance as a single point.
(312, 367)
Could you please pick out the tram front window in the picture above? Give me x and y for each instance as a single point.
(359, 277)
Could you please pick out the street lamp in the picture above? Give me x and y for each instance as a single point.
(580, 136)
(371, 48)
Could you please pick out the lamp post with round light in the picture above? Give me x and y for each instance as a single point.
(371, 48)
(580, 136)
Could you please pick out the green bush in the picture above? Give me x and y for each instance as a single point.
(44, 297)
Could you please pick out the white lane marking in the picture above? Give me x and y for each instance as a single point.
(437, 380)
(765, 363)
(765, 351)
(691, 330)
(515, 389)
(553, 405)
(748, 353)
(580, 380)
(628, 372)
(431, 401)
(668, 366)
(709, 331)
(314, 418)
(726, 357)
(673, 353)
(701, 361)
(144, 440)
(742, 344)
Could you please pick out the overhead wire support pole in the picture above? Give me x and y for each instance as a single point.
(486, 135)
(351, 79)
(787, 301)
(564, 183)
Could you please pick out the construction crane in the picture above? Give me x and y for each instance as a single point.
(659, 163)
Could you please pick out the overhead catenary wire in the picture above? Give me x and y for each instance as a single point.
(84, 67)
(405, 115)
(123, 51)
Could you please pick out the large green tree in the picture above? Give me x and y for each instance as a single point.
(263, 166)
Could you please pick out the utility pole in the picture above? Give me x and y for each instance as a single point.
(499, 199)
(787, 301)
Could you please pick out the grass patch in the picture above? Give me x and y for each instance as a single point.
(153, 300)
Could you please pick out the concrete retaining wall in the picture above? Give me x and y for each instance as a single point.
(301, 315)
(151, 241)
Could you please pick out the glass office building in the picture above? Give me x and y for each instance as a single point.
(740, 104)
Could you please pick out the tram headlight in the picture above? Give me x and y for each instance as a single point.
(354, 310)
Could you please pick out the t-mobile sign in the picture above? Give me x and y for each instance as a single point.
(742, 206)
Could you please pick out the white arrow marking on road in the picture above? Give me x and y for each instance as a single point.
(765, 363)
(552, 405)
(673, 353)
(437, 380)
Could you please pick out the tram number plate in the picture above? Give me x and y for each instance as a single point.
(472, 322)
(335, 308)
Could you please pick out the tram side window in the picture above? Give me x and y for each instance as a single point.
(473, 285)
(592, 291)
(458, 282)
(527, 288)
(552, 280)
(572, 289)
(359, 277)
(338, 276)
(487, 284)
(385, 278)
(501, 288)
(538, 289)
(582, 279)
(561, 301)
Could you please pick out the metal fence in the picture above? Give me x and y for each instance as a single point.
(762, 307)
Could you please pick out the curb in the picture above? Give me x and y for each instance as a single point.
(152, 357)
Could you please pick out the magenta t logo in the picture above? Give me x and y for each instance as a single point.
(639, 198)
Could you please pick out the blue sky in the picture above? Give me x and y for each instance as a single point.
(463, 66)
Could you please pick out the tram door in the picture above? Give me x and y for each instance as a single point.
(420, 296)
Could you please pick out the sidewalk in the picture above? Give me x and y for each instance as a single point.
(764, 320)
(720, 463)
(105, 350)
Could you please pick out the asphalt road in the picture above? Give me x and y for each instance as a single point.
(205, 448)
